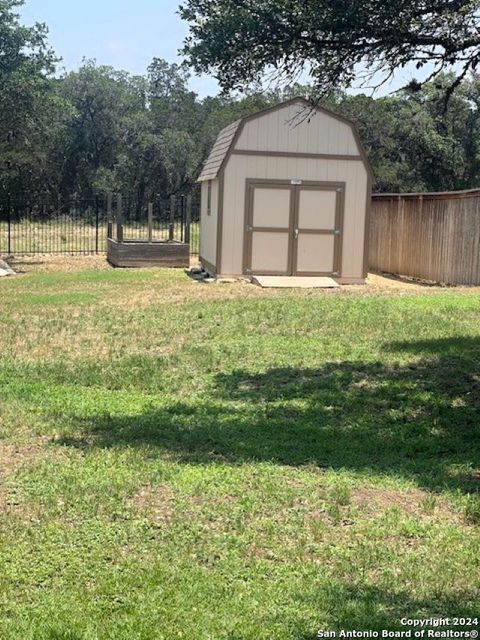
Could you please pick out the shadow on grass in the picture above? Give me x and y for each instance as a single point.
(419, 420)
(369, 608)
(346, 607)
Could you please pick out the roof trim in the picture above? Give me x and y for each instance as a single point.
(205, 175)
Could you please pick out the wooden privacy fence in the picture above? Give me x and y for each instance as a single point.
(432, 236)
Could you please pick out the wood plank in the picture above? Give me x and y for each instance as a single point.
(433, 236)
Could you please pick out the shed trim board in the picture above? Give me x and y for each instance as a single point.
(209, 267)
(229, 149)
(293, 230)
(368, 215)
(293, 154)
(221, 183)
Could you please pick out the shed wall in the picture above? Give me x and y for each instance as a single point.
(209, 223)
(295, 129)
(241, 167)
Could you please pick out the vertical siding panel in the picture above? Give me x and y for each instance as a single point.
(253, 134)
(262, 141)
(306, 131)
(286, 130)
(359, 196)
(208, 224)
(292, 128)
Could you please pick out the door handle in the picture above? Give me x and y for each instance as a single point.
(296, 234)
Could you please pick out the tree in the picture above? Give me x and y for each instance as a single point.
(102, 100)
(337, 42)
(27, 101)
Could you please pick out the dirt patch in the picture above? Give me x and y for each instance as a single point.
(377, 282)
(415, 503)
(386, 281)
(61, 263)
(13, 457)
(155, 503)
(202, 501)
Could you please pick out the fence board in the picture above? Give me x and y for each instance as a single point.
(433, 236)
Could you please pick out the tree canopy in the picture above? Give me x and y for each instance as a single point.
(337, 42)
(26, 97)
(98, 129)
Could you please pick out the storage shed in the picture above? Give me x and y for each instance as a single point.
(287, 191)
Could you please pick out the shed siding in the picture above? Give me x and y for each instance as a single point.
(208, 224)
(240, 168)
(296, 130)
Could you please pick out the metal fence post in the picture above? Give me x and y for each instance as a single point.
(119, 219)
(150, 222)
(97, 222)
(109, 217)
(188, 220)
(171, 228)
(9, 230)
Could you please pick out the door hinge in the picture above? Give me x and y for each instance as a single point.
(338, 232)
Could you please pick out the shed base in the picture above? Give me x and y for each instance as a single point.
(293, 282)
(351, 280)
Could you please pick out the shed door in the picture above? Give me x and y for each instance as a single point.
(293, 229)
(318, 229)
(268, 244)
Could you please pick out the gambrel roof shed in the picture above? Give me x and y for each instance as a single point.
(286, 191)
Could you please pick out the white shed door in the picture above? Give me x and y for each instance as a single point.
(270, 229)
(316, 231)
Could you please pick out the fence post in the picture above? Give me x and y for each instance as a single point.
(171, 228)
(188, 220)
(150, 222)
(119, 219)
(97, 221)
(9, 230)
(109, 217)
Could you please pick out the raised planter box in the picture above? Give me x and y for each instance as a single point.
(135, 253)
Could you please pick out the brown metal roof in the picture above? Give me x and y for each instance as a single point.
(219, 152)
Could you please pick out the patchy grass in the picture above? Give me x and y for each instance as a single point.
(185, 460)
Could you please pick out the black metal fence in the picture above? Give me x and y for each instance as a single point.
(79, 226)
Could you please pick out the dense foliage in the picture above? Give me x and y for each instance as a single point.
(98, 129)
(337, 42)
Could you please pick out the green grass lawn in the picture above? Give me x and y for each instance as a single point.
(180, 460)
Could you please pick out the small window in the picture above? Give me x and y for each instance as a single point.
(209, 198)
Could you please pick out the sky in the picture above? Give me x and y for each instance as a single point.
(126, 34)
